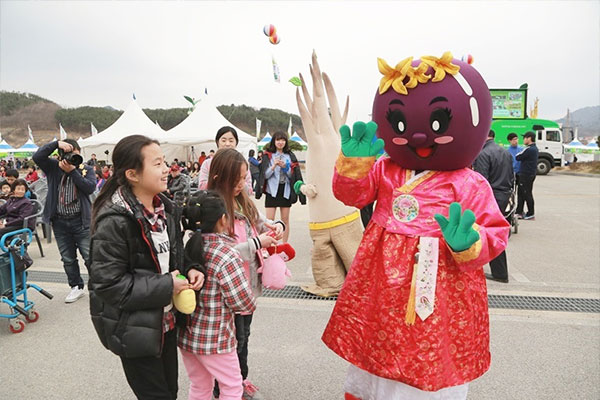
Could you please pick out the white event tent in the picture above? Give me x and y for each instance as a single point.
(575, 146)
(5, 148)
(194, 134)
(198, 130)
(132, 121)
(26, 150)
(296, 138)
(264, 141)
(301, 155)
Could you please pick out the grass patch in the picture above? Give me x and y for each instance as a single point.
(592, 167)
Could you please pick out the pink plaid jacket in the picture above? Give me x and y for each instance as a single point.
(210, 328)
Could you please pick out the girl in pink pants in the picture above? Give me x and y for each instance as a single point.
(204, 369)
(207, 342)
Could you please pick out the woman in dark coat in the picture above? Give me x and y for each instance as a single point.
(16, 209)
(135, 256)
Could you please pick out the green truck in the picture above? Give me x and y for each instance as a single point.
(510, 115)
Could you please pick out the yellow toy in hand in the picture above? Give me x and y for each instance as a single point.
(185, 301)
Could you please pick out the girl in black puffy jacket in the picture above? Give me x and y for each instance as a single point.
(136, 253)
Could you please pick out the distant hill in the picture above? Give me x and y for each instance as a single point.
(586, 119)
(10, 102)
(17, 110)
(272, 119)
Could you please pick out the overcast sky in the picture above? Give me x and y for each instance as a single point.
(99, 53)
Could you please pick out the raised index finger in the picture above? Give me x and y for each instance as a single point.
(371, 129)
(454, 213)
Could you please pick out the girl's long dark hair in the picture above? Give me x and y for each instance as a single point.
(201, 213)
(271, 148)
(127, 154)
(223, 176)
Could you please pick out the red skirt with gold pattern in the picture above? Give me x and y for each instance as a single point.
(367, 326)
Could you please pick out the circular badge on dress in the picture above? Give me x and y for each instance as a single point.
(405, 208)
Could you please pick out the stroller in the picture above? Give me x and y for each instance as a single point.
(13, 279)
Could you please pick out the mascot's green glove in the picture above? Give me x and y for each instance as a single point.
(297, 186)
(360, 142)
(458, 229)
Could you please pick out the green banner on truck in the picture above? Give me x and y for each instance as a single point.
(509, 103)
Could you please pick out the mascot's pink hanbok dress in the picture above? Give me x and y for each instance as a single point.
(412, 316)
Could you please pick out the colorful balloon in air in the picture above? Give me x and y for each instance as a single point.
(467, 58)
(274, 39)
(269, 30)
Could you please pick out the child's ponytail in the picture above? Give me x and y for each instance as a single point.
(200, 215)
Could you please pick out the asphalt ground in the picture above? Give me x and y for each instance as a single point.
(535, 354)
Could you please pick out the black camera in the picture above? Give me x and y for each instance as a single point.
(72, 158)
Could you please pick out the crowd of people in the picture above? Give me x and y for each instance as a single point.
(17, 163)
(226, 234)
(274, 178)
(508, 171)
(142, 246)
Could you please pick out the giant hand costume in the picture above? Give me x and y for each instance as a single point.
(335, 228)
(413, 309)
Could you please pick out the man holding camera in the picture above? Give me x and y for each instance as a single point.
(68, 206)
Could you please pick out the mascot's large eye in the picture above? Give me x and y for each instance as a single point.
(440, 119)
(397, 120)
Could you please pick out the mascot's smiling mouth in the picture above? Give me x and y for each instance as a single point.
(424, 152)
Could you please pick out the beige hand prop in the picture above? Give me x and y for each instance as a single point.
(323, 139)
(335, 228)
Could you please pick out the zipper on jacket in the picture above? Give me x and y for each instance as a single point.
(150, 247)
(162, 336)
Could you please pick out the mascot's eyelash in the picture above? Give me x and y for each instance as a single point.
(390, 113)
(448, 113)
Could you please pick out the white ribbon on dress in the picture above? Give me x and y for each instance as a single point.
(426, 276)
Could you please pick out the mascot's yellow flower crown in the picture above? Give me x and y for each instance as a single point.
(404, 76)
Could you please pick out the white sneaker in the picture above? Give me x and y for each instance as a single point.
(74, 295)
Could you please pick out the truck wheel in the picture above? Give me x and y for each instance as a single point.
(544, 166)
